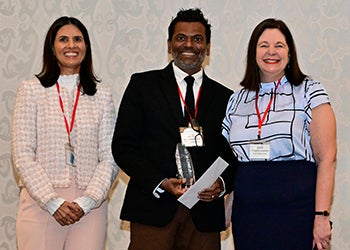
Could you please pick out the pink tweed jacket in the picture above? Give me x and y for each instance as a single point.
(39, 137)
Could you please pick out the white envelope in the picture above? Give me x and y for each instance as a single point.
(190, 197)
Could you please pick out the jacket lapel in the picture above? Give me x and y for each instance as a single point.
(206, 97)
(170, 91)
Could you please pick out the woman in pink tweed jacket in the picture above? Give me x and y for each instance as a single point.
(63, 124)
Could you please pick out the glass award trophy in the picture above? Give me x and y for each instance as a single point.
(184, 164)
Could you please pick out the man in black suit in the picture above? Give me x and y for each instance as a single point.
(153, 109)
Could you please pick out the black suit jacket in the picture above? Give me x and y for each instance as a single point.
(144, 142)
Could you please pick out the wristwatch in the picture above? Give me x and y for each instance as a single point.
(324, 213)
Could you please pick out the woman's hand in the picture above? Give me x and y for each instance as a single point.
(68, 213)
(322, 232)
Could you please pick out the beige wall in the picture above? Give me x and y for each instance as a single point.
(130, 35)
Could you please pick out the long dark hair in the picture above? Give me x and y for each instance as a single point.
(293, 73)
(50, 70)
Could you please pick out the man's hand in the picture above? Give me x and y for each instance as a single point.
(174, 186)
(213, 192)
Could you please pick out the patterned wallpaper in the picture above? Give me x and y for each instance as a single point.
(130, 35)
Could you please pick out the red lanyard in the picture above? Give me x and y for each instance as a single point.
(261, 120)
(183, 101)
(69, 128)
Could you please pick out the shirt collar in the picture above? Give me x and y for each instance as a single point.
(269, 85)
(180, 75)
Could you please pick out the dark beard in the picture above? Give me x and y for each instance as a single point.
(188, 67)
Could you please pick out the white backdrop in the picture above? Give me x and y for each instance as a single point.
(130, 35)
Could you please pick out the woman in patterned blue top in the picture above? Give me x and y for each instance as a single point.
(281, 127)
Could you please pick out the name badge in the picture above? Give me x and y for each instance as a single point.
(69, 151)
(192, 137)
(259, 151)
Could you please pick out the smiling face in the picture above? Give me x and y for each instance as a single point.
(272, 55)
(188, 46)
(69, 48)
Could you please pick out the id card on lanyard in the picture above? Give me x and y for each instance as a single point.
(261, 150)
(69, 149)
(191, 136)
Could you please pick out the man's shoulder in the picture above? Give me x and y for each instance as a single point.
(148, 73)
(153, 72)
(219, 86)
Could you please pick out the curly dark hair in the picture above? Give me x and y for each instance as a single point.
(190, 15)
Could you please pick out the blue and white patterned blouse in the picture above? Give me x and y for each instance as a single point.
(286, 127)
